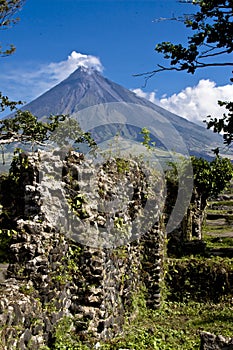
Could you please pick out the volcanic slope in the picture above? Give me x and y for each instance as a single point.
(85, 88)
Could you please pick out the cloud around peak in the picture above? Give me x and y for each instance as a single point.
(45, 76)
(194, 103)
(61, 70)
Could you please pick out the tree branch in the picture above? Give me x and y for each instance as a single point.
(161, 68)
(18, 138)
(199, 65)
(212, 54)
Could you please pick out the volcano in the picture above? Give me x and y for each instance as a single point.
(86, 88)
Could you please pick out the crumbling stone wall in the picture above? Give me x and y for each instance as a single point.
(215, 342)
(58, 267)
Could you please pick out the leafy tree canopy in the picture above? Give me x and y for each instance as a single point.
(6, 103)
(26, 128)
(213, 38)
(8, 11)
(211, 178)
(224, 124)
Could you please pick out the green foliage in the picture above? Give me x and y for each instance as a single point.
(208, 46)
(147, 139)
(8, 10)
(7, 227)
(67, 133)
(64, 337)
(60, 130)
(6, 103)
(76, 203)
(19, 163)
(174, 326)
(119, 223)
(213, 37)
(224, 124)
(67, 267)
(199, 279)
(227, 203)
(122, 165)
(27, 289)
(177, 175)
(6, 236)
(218, 242)
(219, 172)
(25, 128)
(211, 178)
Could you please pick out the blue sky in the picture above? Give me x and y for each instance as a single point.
(55, 36)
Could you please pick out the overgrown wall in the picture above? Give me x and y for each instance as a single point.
(58, 268)
(199, 279)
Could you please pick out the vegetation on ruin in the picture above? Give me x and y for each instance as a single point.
(177, 325)
(198, 289)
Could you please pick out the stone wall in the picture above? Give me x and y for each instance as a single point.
(215, 342)
(68, 258)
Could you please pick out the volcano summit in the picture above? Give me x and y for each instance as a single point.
(86, 88)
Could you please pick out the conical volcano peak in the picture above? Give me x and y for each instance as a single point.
(83, 72)
(87, 87)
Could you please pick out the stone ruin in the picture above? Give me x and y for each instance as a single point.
(70, 259)
(215, 342)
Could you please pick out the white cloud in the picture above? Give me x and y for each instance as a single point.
(194, 103)
(32, 81)
(60, 70)
(151, 96)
